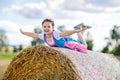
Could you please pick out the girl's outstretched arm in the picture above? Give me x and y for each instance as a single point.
(68, 33)
(30, 34)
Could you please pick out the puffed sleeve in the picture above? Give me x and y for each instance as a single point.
(41, 36)
(56, 34)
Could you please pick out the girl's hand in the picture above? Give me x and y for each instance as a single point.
(21, 31)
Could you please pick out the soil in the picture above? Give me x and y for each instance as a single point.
(3, 66)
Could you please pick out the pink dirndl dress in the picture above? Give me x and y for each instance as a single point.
(67, 42)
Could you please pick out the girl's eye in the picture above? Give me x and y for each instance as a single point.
(44, 26)
(48, 26)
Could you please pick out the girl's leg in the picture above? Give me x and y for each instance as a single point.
(80, 37)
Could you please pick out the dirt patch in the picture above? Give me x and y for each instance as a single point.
(3, 66)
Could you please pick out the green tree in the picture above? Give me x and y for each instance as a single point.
(115, 36)
(3, 38)
(115, 33)
(113, 41)
(105, 49)
(20, 47)
(116, 50)
(15, 49)
(61, 28)
(90, 44)
(89, 41)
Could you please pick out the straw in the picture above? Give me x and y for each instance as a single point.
(41, 63)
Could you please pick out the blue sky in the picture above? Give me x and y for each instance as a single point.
(102, 15)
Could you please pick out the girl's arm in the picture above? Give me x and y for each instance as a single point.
(30, 34)
(68, 33)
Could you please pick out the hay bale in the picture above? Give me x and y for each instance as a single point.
(41, 63)
(94, 65)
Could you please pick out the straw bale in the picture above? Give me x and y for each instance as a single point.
(41, 63)
(94, 65)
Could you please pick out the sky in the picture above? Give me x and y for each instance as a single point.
(102, 15)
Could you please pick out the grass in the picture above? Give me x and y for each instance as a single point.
(118, 57)
(113, 56)
(6, 56)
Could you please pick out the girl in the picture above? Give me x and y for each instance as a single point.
(56, 38)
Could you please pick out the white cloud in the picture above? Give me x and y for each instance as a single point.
(18, 38)
(91, 5)
(38, 6)
(61, 9)
(13, 34)
(9, 26)
(54, 4)
(112, 9)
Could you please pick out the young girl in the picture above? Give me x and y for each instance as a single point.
(56, 38)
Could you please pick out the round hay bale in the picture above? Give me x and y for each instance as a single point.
(94, 65)
(41, 63)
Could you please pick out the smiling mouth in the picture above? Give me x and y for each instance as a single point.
(46, 31)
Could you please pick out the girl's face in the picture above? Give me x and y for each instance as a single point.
(47, 27)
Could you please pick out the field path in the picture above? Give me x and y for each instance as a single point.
(3, 66)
